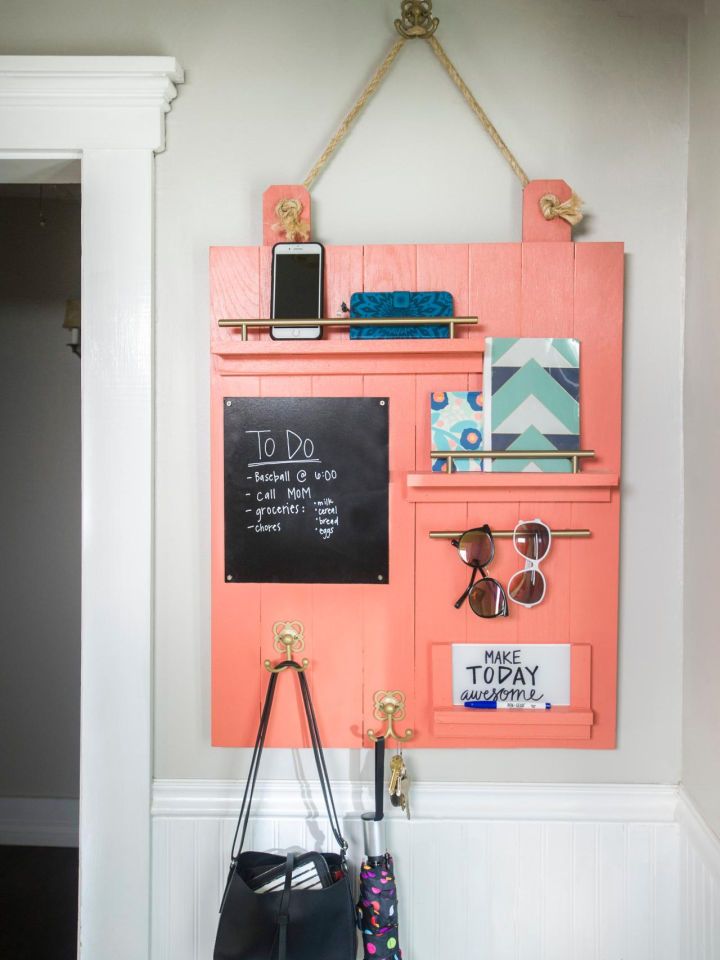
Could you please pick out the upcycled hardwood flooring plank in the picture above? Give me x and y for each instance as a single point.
(286, 601)
(598, 322)
(336, 673)
(388, 609)
(494, 288)
(234, 288)
(343, 277)
(549, 621)
(547, 290)
(445, 267)
(439, 580)
(236, 641)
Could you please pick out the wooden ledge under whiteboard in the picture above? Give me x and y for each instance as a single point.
(544, 728)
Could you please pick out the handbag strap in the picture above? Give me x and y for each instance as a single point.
(320, 764)
(283, 916)
(253, 770)
(244, 815)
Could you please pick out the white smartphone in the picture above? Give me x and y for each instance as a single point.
(297, 288)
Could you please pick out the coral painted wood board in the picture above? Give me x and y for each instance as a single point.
(361, 638)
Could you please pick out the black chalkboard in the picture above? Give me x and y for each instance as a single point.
(306, 489)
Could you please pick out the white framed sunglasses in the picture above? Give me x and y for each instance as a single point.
(531, 539)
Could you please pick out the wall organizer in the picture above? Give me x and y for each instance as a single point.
(394, 636)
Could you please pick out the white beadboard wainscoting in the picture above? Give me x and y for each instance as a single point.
(700, 884)
(498, 872)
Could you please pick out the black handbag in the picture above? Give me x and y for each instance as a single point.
(290, 924)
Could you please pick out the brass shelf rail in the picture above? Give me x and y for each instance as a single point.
(507, 534)
(574, 456)
(452, 322)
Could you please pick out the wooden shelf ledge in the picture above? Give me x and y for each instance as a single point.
(558, 716)
(562, 723)
(279, 348)
(431, 487)
(436, 357)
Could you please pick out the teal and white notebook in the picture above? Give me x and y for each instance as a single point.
(531, 387)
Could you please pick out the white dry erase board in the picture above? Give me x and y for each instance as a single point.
(514, 673)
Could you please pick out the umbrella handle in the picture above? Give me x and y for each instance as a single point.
(379, 777)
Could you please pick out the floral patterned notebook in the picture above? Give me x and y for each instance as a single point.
(456, 423)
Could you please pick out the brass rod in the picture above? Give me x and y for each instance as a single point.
(243, 325)
(348, 322)
(506, 534)
(510, 454)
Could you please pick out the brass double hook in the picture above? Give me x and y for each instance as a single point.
(416, 20)
(289, 638)
(390, 706)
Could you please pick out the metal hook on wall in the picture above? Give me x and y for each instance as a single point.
(416, 20)
(389, 705)
(289, 638)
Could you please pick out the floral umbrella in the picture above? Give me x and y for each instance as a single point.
(377, 907)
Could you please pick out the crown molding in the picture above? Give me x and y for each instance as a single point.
(87, 102)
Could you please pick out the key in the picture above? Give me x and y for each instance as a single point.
(404, 793)
(397, 769)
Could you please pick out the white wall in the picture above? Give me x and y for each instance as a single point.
(39, 501)
(701, 735)
(592, 92)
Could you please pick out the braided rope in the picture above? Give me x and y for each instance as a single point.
(570, 210)
(477, 110)
(289, 213)
(550, 205)
(352, 114)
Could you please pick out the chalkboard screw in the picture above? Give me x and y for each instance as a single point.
(380, 576)
(229, 577)
(382, 403)
(228, 403)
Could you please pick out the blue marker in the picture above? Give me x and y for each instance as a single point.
(494, 705)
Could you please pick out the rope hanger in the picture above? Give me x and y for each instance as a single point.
(416, 22)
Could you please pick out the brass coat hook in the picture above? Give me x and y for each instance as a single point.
(389, 705)
(416, 20)
(288, 638)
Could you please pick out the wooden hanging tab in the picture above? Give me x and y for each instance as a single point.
(535, 226)
(286, 214)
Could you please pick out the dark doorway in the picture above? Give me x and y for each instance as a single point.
(40, 557)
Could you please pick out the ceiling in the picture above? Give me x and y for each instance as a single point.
(46, 179)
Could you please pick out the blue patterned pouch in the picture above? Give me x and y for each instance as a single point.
(401, 303)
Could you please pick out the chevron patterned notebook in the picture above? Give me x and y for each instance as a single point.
(532, 400)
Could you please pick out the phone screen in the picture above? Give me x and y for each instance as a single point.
(296, 290)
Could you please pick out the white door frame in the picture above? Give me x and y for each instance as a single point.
(110, 112)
